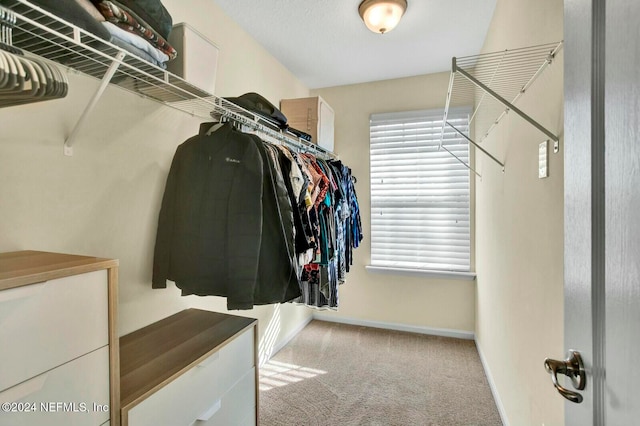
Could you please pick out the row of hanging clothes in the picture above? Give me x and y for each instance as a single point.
(255, 221)
(333, 216)
(25, 78)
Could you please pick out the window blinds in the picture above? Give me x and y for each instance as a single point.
(419, 194)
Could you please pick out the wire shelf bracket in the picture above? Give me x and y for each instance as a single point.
(493, 83)
(68, 144)
(38, 32)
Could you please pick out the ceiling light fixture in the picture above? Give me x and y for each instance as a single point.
(381, 16)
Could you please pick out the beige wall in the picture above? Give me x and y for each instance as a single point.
(519, 240)
(104, 201)
(422, 302)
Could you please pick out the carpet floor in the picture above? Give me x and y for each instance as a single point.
(337, 374)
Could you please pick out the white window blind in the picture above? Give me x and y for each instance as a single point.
(419, 194)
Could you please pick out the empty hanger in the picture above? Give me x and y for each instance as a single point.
(25, 78)
(8, 20)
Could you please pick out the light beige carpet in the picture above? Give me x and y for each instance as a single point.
(336, 374)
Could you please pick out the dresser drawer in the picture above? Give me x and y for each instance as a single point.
(192, 394)
(47, 324)
(68, 392)
(233, 407)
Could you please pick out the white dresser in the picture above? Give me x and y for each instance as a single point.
(59, 356)
(193, 368)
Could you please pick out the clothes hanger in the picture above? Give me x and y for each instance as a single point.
(25, 79)
(4, 71)
(8, 20)
(15, 71)
(215, 127)
(11, 84)
(48, 77)
(45, 75)
(22, 74)
(60, 86)
(28, 85)
(32, 84)
(29, 79)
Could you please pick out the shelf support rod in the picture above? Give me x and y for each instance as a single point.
(484, 151)
(506, 103)
(106, 78)
(461, 161)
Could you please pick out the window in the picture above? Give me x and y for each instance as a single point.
(419, 194)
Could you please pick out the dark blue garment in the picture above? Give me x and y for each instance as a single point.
(300, 134)
(353, 226)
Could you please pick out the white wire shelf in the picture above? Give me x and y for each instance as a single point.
(39, 32)
(493, 83)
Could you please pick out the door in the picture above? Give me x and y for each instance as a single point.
(602, 207)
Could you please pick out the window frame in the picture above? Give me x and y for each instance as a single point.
(427, 139)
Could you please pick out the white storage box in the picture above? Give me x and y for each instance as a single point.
(197, 59)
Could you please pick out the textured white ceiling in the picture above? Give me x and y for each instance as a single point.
(325, 43)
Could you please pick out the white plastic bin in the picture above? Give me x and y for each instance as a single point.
(197, 60)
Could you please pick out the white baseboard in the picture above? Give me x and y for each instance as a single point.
(492, 386)
(445, 332)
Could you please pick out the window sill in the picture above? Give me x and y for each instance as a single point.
(447, 275)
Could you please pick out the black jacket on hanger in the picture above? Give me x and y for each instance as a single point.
(210, 224)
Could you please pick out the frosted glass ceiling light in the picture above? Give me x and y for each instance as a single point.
(381, 16)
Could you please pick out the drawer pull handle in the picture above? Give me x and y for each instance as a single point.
(204, 417)
(209, 360)
(24, 389)
(21, 292)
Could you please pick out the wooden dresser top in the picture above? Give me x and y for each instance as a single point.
(159, 353)
(20, 268)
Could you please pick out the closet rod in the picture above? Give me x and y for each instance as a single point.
(240, 115)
